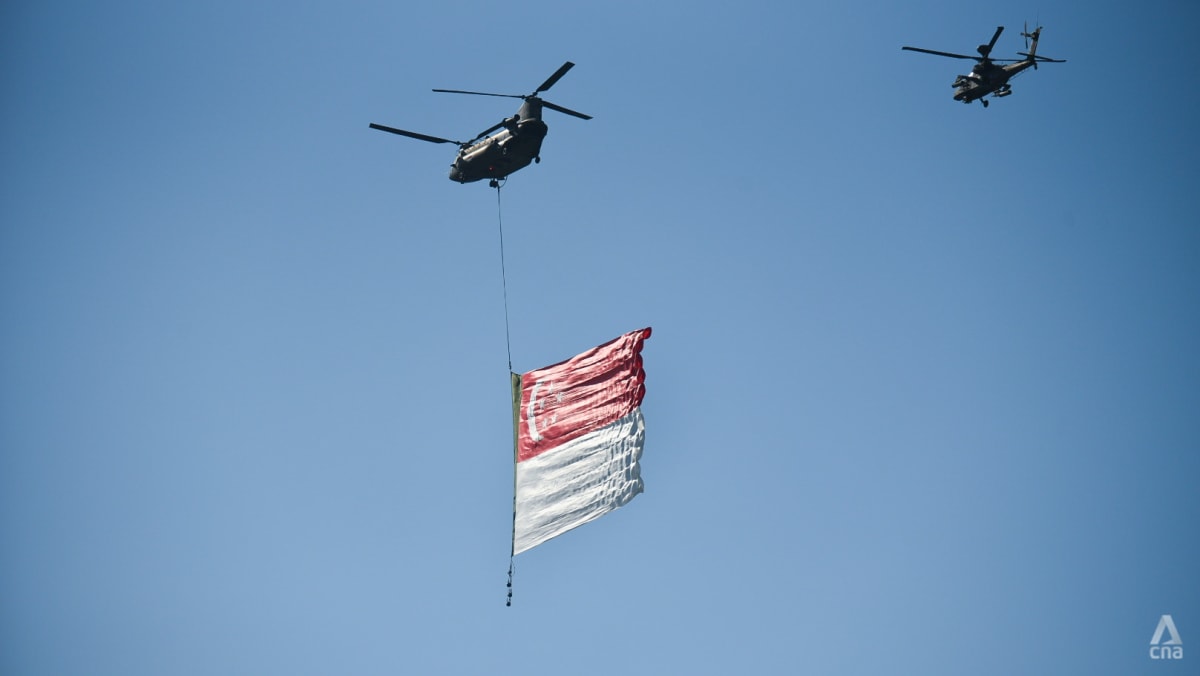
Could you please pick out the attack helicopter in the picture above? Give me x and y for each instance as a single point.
(986, 77)
(518, 143)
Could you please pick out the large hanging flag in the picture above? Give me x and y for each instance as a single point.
(579, 436)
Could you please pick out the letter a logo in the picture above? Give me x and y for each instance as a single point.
(1168, 625)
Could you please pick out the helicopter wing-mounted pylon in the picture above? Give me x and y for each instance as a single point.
(533, 97)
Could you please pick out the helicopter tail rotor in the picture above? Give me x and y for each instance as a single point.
(1031, 42)
(1036, 31)
(1030, 36)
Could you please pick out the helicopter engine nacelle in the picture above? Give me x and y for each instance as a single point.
(533, 127)
(476, 151)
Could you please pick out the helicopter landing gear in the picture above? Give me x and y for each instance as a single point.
(985, 103)
(537, 159)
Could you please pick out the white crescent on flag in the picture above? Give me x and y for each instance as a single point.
(579, 438)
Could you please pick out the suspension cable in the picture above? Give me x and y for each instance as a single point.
(503, 277)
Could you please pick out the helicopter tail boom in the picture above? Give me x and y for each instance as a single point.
(1033, 38)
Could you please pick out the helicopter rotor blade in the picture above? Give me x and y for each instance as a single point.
(413, 134)
(460, 91)
(550, 81)
(1043, 59)
(562, 70)
(930, 51)
(568, 111)
(995, 37)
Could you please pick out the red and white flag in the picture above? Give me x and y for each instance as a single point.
(579, 437)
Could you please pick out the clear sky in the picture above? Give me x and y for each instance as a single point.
(923, 389)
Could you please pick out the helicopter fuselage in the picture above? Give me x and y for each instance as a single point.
(987, 76)
(499, 155)
(516, 143)
(987, 79)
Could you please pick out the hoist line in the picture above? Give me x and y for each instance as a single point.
(514, 383)
(503, 277)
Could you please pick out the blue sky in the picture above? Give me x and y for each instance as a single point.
(923, 389)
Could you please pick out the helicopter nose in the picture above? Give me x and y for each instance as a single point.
(455, 174)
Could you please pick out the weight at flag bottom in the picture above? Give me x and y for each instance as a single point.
(579, 437)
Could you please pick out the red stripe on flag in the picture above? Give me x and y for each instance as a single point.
(580, 395)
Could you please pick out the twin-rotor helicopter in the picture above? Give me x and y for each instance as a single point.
(986, 76)
(518, 143)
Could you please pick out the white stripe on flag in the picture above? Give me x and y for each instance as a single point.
(578, 481)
